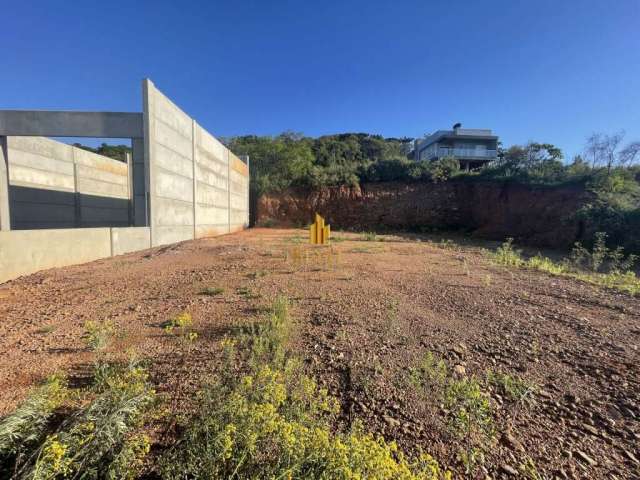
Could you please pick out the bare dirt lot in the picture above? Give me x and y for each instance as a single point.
(366, 312)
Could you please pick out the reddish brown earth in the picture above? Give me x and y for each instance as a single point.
(365, 313)
(542, 216)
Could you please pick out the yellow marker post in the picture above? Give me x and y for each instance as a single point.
(319, 233)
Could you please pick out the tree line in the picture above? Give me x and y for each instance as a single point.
(291, 159)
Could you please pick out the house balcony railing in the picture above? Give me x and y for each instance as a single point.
(466, 153)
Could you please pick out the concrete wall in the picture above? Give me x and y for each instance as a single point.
(131, 239)
(27, 251)
(238, 194)
(197, 187)
(54, 185)
(181, 183)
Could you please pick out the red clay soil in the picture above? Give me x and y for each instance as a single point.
(365, 313)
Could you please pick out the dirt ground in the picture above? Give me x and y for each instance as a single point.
(365, 313)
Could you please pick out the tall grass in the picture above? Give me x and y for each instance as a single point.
(601, 266)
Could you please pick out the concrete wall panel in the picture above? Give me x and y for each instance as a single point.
(27, 251)
(173, 162)
(208, 195)
(174, 212)
(189, 175)
(132, 239)
(54, 185)
(166, 235)
(24, 176)
(172, 186)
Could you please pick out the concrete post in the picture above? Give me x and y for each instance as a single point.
(129, 187)
(148, 123)
(5, 212)
(139, 184)
(194, 148)
(226, 154)
(248, 219)
(77, 217)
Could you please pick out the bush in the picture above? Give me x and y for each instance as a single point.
(273, 421)
(470, 419)
(600, 266)
(443, 169)
(27, 425)
(99, 334)
(98, 440)
(507, 255)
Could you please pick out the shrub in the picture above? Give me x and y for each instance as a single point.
(369, 237)
(212, 291)
(99, 334)
(182, 321)
(507, 255)
(273, 421)
(513, 387)
(102, 438)
(27, 424)
(601, 258)
(443, 169)
(470, 419)
(430, 374)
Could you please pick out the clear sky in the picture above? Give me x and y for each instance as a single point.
(544, 70)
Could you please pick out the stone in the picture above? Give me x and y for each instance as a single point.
(631, 457)
(510, 441)
(509, 470)
(459, 370)
(585, 458)
(392, 422)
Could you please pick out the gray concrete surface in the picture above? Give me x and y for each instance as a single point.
(46, 123)
(181, 183)
(5, 215)
(54, 185)
(197, 187)
(131, 239)
(27, 251)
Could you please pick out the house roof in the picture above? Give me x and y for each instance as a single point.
(466, 133)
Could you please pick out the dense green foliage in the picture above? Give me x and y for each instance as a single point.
(117, 152)
(346, 159)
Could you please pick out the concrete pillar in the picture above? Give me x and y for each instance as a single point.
(5, 212)
(139, 184)
(77, 217)
(194, 148)
(148, 154)
(245, 159)
(226, 154)
(129, 188)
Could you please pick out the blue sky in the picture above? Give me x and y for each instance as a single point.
(551, 71)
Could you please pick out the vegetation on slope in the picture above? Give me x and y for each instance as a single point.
(601, 265)
(261, 416)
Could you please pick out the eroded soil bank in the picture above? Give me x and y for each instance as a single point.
(537, 216)
(365, 313)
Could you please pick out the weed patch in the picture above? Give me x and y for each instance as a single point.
(602, 266)
(247, 293)
(212, 291)
(512, 387)
(99, 334)
(369, 237)
(100, 436)
(262, 417)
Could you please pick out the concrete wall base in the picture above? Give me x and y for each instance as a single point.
(27, 251)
